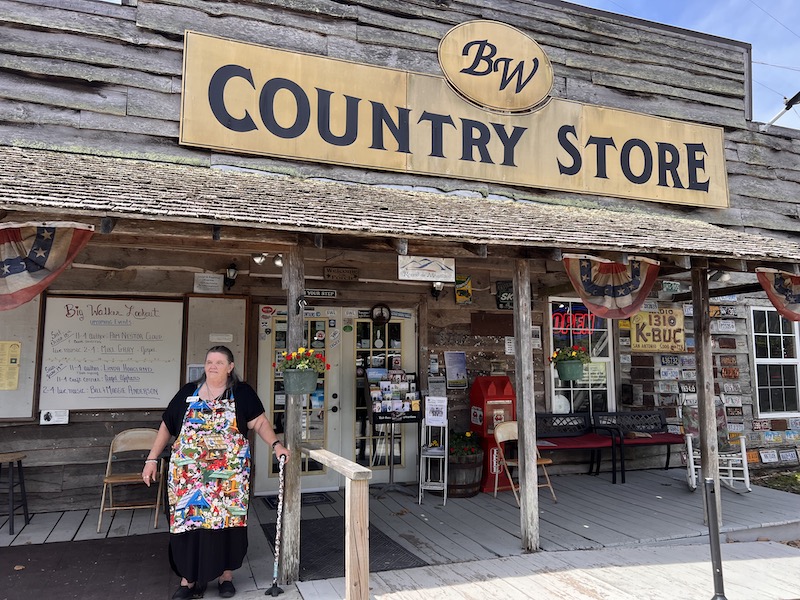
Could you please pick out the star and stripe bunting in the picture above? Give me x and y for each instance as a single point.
(609, 289)
(32, 255)
(783, 290)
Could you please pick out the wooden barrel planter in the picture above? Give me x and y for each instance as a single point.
(464, 475)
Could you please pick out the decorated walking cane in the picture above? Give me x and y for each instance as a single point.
(275, 590)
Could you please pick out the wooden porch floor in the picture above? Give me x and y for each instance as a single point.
(654, 507)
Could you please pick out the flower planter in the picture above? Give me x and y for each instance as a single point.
(569, 370)
(464, 475)
(299, 381)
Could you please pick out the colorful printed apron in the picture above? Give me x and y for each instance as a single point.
(209, 474)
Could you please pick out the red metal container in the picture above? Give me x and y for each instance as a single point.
(492, 401)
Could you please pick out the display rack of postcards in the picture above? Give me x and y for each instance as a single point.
(394, 399)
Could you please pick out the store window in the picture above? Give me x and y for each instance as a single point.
(571, 323)
(775, 348)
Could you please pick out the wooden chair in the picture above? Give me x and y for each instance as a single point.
(734, 472)
(140, 439)
(508, 432)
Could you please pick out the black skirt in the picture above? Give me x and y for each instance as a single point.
(203, 554)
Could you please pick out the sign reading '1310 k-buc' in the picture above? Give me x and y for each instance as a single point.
(489, 119)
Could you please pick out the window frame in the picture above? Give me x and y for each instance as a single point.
(773, 361)
(609, 360)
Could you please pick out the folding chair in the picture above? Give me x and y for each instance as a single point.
(508, 432)
(733, 466)
(129, 441)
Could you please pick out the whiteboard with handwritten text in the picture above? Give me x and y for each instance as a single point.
(99, 353)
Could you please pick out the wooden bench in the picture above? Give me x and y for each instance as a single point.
(638, 428)
(574, 431)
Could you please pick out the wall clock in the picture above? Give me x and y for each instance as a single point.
(380, 314)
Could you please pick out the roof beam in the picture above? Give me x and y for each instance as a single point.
(746, 288)
(479, 250)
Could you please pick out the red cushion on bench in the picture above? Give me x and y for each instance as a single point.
(654, 439)
(587, 441)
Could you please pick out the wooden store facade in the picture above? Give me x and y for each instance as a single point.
(386, 182)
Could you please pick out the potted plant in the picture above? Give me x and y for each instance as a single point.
(465, 464)
(569, 362)
(301, 369)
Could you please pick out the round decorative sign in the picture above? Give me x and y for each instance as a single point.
(496, 66)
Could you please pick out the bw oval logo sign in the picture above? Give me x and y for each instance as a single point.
(496, 66)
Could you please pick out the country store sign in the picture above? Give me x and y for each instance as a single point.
(489, 119)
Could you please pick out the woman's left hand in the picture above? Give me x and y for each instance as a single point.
(281, 450)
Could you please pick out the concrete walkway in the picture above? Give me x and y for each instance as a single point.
(751, 571)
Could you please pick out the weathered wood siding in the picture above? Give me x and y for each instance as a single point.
(88, 76)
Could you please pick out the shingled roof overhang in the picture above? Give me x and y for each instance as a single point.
(47, 182)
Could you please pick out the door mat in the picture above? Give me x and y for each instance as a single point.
(307, 499)
(322, 549)
(128, 567)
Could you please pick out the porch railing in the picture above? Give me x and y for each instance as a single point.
(356, 515)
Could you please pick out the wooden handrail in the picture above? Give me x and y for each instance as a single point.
(356, 515)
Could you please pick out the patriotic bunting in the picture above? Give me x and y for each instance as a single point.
(32, 255)
(783, 290)
(608, 289)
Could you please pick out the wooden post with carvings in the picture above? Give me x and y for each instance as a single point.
(706, 410)
(526, 408)
(293, 282)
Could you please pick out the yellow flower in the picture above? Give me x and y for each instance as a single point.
(468, 434)
(300, 350)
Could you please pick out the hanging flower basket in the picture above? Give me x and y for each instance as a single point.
(569, 370)
(299, 381)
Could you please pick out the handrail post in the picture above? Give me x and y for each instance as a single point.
(356, 519)
(356, 539)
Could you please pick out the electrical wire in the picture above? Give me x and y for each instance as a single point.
(773, 18)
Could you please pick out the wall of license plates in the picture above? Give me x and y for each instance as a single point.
(658, 371)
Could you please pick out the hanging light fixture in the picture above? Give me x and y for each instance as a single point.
(260, 258)
(230, 276)
(278, 260)
(436, 289)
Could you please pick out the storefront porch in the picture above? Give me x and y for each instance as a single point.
(654, 507)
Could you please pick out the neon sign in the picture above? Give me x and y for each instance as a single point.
(580, 323)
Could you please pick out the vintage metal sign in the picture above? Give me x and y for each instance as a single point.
(661, 331)
(242, 97)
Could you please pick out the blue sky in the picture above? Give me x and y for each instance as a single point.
(772, 27)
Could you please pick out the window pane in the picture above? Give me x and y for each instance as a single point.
(761, 346)
(791, 400)
(773, 322)
(761, 373)
(775, 348)
(775, 376)
(789, 375)
(763, 400)
(786, 326)
(789, 347)
(776, 399)
(759, 321)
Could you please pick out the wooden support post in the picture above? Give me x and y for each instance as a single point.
(526, 408)
(356, 539)
(293, 282)
(709, 451)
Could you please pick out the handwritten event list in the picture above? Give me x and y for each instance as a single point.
(109, 351)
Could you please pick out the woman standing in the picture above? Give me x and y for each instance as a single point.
(209, 473)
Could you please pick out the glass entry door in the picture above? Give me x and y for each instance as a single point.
(321, 417)
(337, 415)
